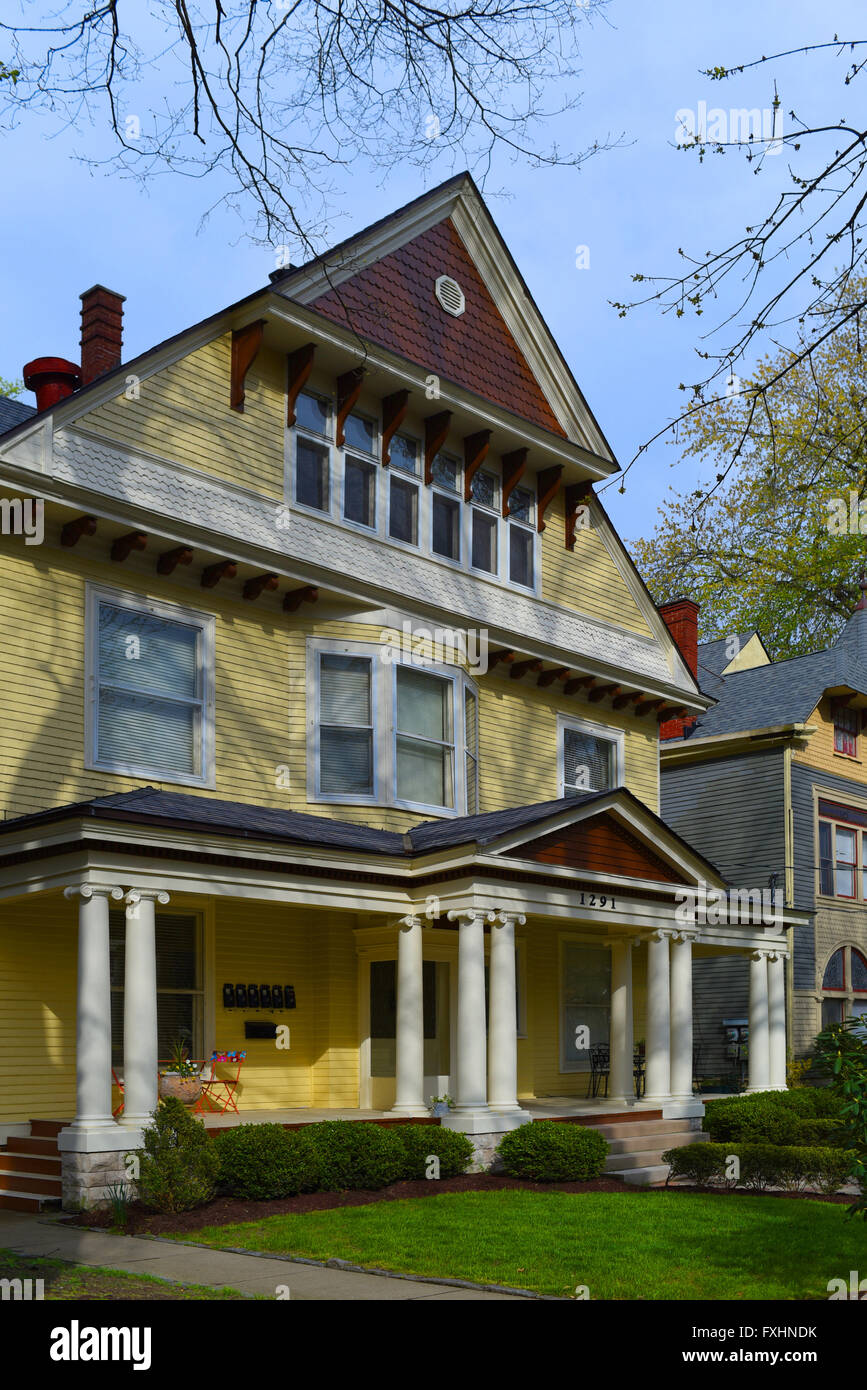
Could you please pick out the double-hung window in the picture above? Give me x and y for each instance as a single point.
(591, 757)
(484, 522)
(847, 725)
(446, 507)
(360, 471)
(403, 490)
(522, 537)
(346, 727)
(150, 688)
(313, 426)
(842, 851)
(424, 738)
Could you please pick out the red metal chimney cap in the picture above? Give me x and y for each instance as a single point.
(52, 378)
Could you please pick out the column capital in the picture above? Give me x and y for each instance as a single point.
(659, 934)
(138, 895)
(764, 953)
(502, 918)
(92, 890)
(411, 920)
(469, 915)
(680, 934)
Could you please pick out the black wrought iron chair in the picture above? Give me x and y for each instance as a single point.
(600, 1060)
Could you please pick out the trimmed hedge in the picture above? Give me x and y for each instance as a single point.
(791, 1167)
(262, 1161)
(801, 1117)
(453, 1149)
(351, 1155)
(546, 1151)
(179, 1164)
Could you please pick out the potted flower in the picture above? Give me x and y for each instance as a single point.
(441, 1105)
(181, 1078)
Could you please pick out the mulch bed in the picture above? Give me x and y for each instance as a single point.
(228, 1211)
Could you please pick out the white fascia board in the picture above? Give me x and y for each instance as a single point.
(728, 743)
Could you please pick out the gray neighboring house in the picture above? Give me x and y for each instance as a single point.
(770, 784)
(12, 412)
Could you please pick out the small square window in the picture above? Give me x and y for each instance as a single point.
(446, 527)
(360, 433)
(312, 413)
(446, 472)
(311, 474)
(403, 453)
(484, 490)
(359, 492)
(522, 505)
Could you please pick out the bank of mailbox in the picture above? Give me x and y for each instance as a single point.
(737, 1036)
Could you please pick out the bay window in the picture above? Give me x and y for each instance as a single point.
(150, 674)
(446, 507)
(360, 471)
(403, 496)
(313, 452)
(393, 733)
(484, 523)
(842, 851)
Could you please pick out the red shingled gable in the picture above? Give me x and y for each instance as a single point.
(392, 303)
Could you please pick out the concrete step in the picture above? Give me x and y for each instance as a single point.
(653, 1175)
(626, 1131)
(13, 1162)
(659, 1142)
(640, 1158)
(31, 1183)
(26, 1201)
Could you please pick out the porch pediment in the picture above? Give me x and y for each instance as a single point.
(600, 845)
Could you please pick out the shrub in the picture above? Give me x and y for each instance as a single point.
(262, 1161)
(350, 1155)
(774, 1117)
(791, 1167)
(550, 1152)
(179, 1163)
(453, 1149)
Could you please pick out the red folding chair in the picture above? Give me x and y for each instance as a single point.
(116, 1081)
(218, 1092)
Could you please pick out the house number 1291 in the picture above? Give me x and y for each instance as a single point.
(596, 900)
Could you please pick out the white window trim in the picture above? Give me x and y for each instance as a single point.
(192, 617)
(587, 726)
(424, 546)
(384, 712)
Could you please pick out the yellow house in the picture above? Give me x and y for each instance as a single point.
(330, 722)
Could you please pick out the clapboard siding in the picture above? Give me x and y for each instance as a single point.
(720, 989)
(733, 811)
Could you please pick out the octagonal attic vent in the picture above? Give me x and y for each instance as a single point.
(450, 295)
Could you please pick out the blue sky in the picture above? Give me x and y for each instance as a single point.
(67, 227)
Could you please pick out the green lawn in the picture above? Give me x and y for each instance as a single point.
(651, 1245)
(71, 1283)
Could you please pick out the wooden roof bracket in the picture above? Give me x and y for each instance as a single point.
(300, 364)
(348, 390)
(547, 487)
(393, 413)
(475, 452)
(436, 428)
(246, 343)
(514, 465)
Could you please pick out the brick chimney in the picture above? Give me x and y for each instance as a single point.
(101, 332)
(681, 618)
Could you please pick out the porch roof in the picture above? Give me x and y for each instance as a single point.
(150, 806)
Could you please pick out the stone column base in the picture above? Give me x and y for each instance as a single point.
(87, 1177)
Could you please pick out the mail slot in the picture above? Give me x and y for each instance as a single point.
(257, 1028)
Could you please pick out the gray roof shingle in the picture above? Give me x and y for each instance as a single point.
(13, 412)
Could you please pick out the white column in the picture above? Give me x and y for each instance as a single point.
(409, 1038)
(622, 1079)
(658, 1040)
(93, 1014)
(681, 1016)
(759, 1051)
(777, 1020)
(471, 1070)
(503, 1023)
(140, 1051)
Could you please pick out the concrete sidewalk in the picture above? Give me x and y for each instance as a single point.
(37, 1236)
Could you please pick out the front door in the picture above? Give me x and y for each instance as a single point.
(383, 1027)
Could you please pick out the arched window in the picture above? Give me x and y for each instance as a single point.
(844, 986)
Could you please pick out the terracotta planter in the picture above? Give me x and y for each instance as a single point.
(186, 1089)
